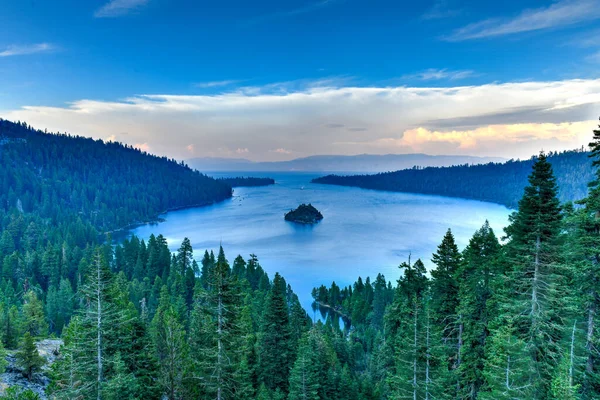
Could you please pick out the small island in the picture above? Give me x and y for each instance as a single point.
(304, 214)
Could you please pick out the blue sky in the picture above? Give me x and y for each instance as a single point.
(282, 79)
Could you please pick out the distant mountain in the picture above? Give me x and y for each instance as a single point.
(358, 163)
(501, 183)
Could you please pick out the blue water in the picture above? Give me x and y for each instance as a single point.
(364, 231)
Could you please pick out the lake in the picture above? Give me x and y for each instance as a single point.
(363, 232)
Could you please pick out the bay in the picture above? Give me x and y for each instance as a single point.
(363, 233)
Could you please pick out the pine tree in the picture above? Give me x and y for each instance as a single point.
(405, 322)
(171, 348)
(91, 343)
(583, 255)
(33, 315)
(532, 299)
(216, 337)
(478, 278)
(444, 303)
(304, 382)
(28, 357)
(275, 339)
(122, 384)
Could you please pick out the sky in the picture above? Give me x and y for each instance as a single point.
(271, 80)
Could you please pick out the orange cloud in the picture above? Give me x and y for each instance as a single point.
(142, 146)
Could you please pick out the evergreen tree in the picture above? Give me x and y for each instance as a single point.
(275, 339)
(171, 348)
(216, 337)
(478, 279)
(445, 300)
(33, 315)
(405, 321)
(534, 277)
(28, 357)
(583, 254)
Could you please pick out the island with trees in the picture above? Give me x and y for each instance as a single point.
(304, 214)
(240, 181)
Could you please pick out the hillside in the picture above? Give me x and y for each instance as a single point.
(358, 163)
(109, 185)
(501, 183)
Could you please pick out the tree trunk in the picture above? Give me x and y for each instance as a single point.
(99, 328)
(220, 346)
(572, 355)
(428, 356)
(415, 354)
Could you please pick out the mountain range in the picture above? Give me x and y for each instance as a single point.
(332, 163)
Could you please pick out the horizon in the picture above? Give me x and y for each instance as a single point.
(188, 80)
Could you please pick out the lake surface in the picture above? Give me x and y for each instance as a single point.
(364, 232)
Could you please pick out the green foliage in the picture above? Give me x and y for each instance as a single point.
(275, 338)
(17, 393)
(501, 183)
(28, 357)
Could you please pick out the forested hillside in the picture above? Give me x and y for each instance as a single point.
(501, 183)
(65, 178)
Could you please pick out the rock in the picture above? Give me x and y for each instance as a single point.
(48, 348)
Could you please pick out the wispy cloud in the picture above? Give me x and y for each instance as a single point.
(559, 14)
(293, 12)
(594, 57)
(117, 8)
(214, 84)
(21, 50)
(475, 119)
(281, 150)
(439, 74)
(440, 9)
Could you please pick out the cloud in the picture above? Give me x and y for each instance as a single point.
(142, 146)
(118, 8)
(242, 151)
(375, 119)
(190, 148)
(439, 10)
(559, 14)
(281, 151)
(21, 50)
(293, 12)
(111, 138)
(438, 74)
(214, 84)
(594, 57)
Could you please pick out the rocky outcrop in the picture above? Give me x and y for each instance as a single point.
(13, 376)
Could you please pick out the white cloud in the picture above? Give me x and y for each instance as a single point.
(281, 151)
(21, 50)
(438, 74)
(242, 151)
(374, 119)
(117, 8)
(559, 14)
(111, 138)
(214, 84)
(594, 57)
(190, 148)
(439, 10)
